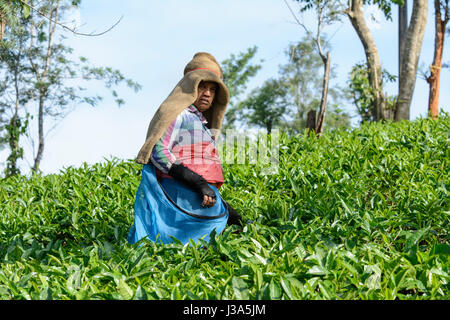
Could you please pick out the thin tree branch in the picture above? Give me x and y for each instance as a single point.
(70, 29)
(30, 56)
(298, 21)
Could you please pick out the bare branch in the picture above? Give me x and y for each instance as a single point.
(71, 29)
(298, 21)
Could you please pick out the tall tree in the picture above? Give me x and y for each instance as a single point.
(411, 54)
(56, 79)
(412, 47)
(265, 106)
(303, 78)
(12, 10)
(237, 72)
(326, 13)
(9, 10)
(355, 14)
(353, 9)
(441, 18)
(15, 89)
(402, 27)
(300, 76)
(361, 93)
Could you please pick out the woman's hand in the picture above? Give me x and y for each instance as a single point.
(195, 181)
(208, 201)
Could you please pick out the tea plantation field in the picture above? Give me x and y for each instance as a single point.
(352, 215)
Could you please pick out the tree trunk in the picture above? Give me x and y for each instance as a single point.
(402, 27)
(13, 137)
(413, 46)
(2, 24)
(14, 130)
(356, 16)
(435, 69)
(269, 127)
(42, 77)
(40, 151)
(323, 101)
(311, 120)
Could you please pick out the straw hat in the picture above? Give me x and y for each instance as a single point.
(202, 67)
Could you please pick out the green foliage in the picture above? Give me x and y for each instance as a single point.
(336, 118)
(11, 11)
(237, 72)
(303, 77)
(16, 128)
(362, 93)
(15, 91)
(384, 5)
(354, 215)
(5, 7)
(330, 11)
(37, 70)
(265, 107)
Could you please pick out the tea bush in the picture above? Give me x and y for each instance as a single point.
(362, 214)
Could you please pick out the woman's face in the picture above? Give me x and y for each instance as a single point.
(206, 93)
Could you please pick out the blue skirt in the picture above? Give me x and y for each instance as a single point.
(169, 208)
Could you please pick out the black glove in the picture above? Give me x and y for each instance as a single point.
(192, 179)
(234, 217)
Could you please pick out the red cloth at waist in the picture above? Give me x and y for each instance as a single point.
(202, 158)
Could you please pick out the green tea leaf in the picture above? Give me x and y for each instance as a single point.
(286, 285)
(141, 294)
(240, 288)
(124, 290)
(318, 270)
(413, 238)
(274, 290)
(46, 294)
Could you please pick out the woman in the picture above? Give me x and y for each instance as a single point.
(178, 196)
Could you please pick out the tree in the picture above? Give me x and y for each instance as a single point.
(361, 93)
(411, 54)
(327, 13)
(442, 17)
(9, 13)
(301, 76)
(15, 89)
(412, 47)
(354, 11)
(57, 81)
(402, 27)
(12, 10)
(265, 106)
(355, 14)
(336, 118)
(237, 71)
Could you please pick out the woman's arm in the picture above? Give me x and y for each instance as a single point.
(162, 156)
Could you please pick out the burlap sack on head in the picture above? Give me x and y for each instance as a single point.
(203, 67)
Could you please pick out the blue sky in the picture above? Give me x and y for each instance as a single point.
(155, 40)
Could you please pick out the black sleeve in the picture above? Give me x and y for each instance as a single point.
(192, 179)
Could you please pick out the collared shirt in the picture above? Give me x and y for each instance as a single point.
(189, 141)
